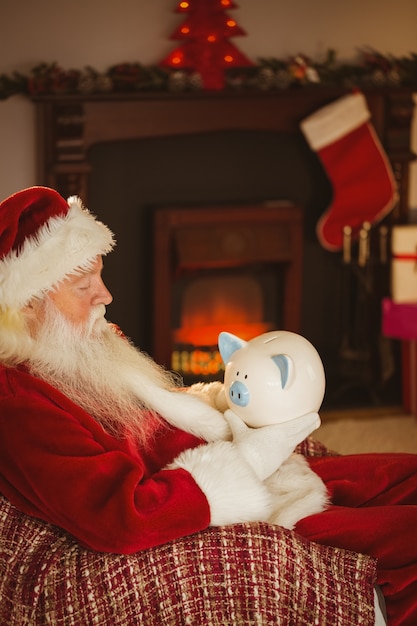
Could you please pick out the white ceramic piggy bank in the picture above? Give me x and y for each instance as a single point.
(272, 378)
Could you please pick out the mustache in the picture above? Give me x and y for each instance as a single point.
(97, 320)
(98, 312)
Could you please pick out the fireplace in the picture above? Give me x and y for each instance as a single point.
(235, 267)
(133, 157)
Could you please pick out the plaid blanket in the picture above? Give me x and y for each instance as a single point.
(245, 574)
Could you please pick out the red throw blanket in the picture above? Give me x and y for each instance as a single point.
(244, 574)
(374, 510)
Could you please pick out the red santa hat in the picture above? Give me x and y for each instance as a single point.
(43, 239)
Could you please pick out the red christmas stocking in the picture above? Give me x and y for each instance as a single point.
(363, 184)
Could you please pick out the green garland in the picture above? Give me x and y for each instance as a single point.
(372, 69)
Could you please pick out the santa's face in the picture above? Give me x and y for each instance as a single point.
(92, 364)
(79, 294)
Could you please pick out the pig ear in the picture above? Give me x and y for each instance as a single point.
(228, 344)
(284, 364)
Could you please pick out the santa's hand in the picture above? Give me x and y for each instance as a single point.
(212, 393)
(266, 448)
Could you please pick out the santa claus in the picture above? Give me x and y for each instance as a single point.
(94, 436)
(99, 440)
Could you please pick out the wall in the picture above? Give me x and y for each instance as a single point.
(102, 33)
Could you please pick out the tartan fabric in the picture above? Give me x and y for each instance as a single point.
(313, 447)
(245, 574)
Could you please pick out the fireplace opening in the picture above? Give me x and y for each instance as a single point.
(244, 303)
(236, 268)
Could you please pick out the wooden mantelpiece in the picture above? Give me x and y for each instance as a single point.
(69, 125)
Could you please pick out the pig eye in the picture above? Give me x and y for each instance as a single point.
(246, 376)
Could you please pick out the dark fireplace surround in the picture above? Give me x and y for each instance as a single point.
(134, 158)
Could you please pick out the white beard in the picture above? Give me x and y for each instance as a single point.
(120, 386)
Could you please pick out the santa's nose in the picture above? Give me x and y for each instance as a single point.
(239, 394)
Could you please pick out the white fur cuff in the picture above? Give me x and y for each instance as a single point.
(232, 490)
(296, 492)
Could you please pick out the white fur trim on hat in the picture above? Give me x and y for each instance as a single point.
(335, 120)
(62, 246)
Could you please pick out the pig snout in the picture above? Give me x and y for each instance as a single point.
(239, 394)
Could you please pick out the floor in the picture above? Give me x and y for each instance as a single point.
(370, 430)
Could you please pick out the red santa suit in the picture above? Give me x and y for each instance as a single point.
(373, 511)
(58, 464)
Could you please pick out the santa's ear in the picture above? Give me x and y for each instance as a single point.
(286, 367)
(228, 344)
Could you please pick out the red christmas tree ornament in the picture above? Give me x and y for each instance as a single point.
(206, 47)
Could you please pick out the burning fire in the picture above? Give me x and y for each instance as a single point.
(211, 305)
